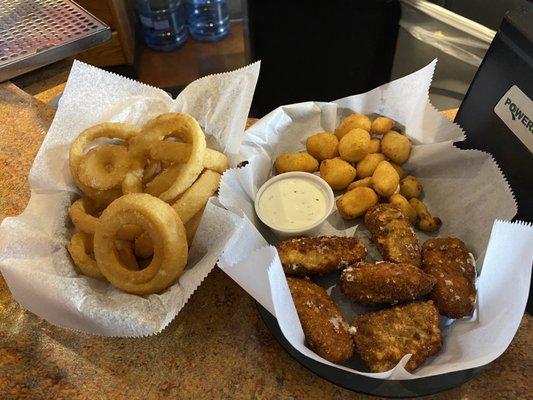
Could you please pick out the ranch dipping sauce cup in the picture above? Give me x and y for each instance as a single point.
(294, 203)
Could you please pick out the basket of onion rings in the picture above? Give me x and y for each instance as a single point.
(143, 199)
(124, 223)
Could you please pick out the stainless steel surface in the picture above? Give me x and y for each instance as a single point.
(34, 33)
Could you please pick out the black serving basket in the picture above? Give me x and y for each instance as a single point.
(364, 384)
(508, 63)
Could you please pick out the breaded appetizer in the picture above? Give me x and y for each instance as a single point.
(382, 338)
(447, 260)
(393, 234)
(384, 283)
(325, 329)
(319, 255)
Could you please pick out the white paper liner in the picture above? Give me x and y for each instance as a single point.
(33, 257)
(465, 188)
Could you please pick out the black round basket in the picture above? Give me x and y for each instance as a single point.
(363, 384)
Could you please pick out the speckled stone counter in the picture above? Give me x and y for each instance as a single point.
(217, 347)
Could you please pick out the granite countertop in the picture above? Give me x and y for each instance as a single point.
(217, 347)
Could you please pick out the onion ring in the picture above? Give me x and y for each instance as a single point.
(187, 206)
(77, 151)
(104, 167)
(196, 197)
(78, 249)
(81, 217)
(179, 152)
(151, 170)
(192, 226)
(125, 254)
(144, 248)
(129, 232)
(186, 128)
(139, 149)
(166, 232)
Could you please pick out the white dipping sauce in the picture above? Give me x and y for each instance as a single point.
(293, 203)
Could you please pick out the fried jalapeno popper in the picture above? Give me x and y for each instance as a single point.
(319, 255)
(325, 329)
(447, 259)
(382, 338)
(384, 283)
(393, 234)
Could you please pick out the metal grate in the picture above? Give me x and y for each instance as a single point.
(34, 33)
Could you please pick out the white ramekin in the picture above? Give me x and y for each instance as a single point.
(308, 230)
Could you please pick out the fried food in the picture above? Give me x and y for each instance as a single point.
(374, 146)
(319, 255)
(353, 121)
(326, 331)
(392, 234)
(187, 206)
(136, 224)
(186, 128)
(448, 261)
(385, 179)
(80, 215)
(384, 283)
(366, 167)
(288, 162)
(356, 202)
(323, 145)
(396, 147)
(126, 254)
(410, 187)
(381, 125)
(179, 152)
(382, 338)
(337, 173)
(426, 222)
(168, 238)
(398, 169)
(104, 167)
(195, 198)
(192, 226)
(79, 249)
(405, 207)
(111, 130)
(365, 182)
(354, 145)
(152, 168)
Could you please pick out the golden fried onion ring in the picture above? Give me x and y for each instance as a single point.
(81, 217)
(187, 206)
(178, 152)
(196, 197)
(192, 226)
(125, 253)
(166, 232)
(79, 251)
(186, 128)
(77, 150)
(104, 167)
